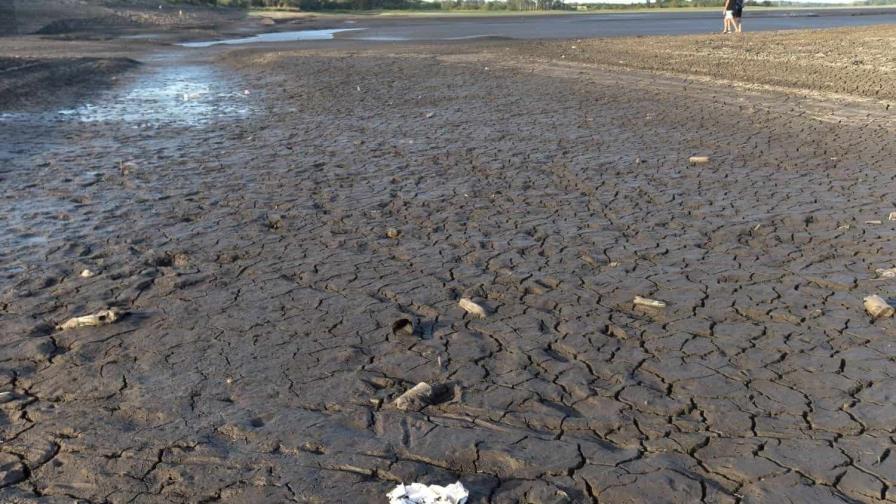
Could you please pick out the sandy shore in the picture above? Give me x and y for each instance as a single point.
(245, 233)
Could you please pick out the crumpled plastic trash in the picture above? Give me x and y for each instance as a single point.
(418, 493)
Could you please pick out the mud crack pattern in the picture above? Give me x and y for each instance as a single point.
(257, 362)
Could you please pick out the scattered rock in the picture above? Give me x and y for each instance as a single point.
(393, 233)
(267, 22)
(878, 307)
(471, 307)
(653, 303)
(403, 327)
(97, 319)
(275, 221)
(86, 273)
(430, 114)
(590, 261)
(127, 167)
(616, 332)
(891, 217)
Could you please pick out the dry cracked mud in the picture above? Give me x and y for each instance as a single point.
(257, 362)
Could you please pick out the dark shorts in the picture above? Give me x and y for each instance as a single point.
(738, 12)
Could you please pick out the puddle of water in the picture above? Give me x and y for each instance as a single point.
(187, 95)
(287, 36)
(399, 38)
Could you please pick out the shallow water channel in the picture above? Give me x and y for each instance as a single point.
(286, 36)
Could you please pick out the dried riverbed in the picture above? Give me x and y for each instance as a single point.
(263, 258)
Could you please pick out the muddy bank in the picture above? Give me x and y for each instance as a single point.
(29, 83)
(261, 262)
(55, 17)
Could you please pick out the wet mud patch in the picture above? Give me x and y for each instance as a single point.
(165, 95)
(189, 95)
(65, 26)
(32, 83)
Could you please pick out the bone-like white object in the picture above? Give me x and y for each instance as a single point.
(416, 398)
(418, 493)
(886, 273)
(97, 319)
(698, 159)
(87, 273)
(471, 307)
(653, 303)
(878, 307)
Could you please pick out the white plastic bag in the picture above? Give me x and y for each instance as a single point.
(418, 493)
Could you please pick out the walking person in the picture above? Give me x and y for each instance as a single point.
(737, 13)
(728, 24)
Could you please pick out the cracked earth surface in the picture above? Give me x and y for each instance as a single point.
(257, 361)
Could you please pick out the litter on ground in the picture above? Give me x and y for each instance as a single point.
(653, 303)
(97, 319)
(471, 307)
(418, 493)
(878, 307)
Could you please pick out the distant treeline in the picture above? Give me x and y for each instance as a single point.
(318, 5)
(491, 5)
